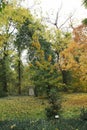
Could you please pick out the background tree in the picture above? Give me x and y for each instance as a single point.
(10, 21)
(60, 41)
(43, 68)
(75, 61)
(23, 40)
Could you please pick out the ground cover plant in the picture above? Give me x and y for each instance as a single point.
(72, 124)
(28, 113)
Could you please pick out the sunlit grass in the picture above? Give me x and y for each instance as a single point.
(73, 103)
(75, 100)
(24, 112)
(21, 107)
(25, 107)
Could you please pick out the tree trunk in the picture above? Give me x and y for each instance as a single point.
(48, 90)
(19, 72)
(63, 72)
(64, 78)
(5, 86)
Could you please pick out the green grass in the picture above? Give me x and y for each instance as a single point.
(73, 103)
(28, 113)
(21, 107)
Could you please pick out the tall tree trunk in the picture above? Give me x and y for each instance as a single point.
(5, 86)
(48, 90)
(19, 71)
(63, 72)
(19, 77)
(64, 78)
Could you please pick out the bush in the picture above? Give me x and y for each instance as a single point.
(2, 93)
(64, 124)
(83, 114)
(55, 104)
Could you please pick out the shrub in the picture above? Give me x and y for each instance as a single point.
(54, 104)
(83, 114)
(2, 93)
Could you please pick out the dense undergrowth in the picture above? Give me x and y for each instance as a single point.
(63, 124)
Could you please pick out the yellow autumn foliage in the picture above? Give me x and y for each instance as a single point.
(49, 58)
(38, 63)
(74, 59)
(36, 45)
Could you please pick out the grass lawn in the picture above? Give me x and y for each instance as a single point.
(73, 103)
(32, 107)
(18, 112)
(21, 107)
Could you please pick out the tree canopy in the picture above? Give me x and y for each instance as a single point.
(54, 58)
